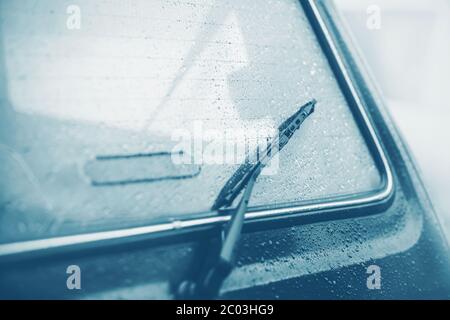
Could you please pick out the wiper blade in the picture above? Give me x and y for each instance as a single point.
(237, 182)
(208, 283)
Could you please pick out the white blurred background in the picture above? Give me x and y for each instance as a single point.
(409, 56)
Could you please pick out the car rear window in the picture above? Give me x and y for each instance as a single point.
(96, 98)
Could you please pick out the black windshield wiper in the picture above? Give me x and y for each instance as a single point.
(210, 276)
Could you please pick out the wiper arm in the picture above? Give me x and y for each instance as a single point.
(209, 282)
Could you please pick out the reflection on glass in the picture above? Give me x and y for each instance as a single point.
(137, 71)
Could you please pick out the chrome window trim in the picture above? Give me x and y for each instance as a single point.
(382, 196)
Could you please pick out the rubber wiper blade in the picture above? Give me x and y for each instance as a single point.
(207, 284)
(237, 182)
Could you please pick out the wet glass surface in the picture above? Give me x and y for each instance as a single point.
(130, 80)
